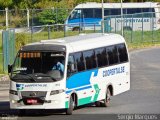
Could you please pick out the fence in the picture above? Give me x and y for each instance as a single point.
(8, 43)
(32, 17)
(37, 33)
(137, 29)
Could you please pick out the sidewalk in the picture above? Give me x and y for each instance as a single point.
(4, 88)
(4, 82)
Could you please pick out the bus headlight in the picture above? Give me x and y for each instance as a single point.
(54, 92)
(13, 101)
(13, 92)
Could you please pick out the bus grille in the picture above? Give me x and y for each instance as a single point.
(37, 95)
(33, 94)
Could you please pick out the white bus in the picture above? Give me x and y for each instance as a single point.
(136, 16)
(96, 67)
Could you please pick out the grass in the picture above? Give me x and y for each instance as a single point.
(135, 40)
(138, 39)
(53, 35)
(1, 63)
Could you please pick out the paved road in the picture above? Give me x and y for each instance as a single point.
(143, 98)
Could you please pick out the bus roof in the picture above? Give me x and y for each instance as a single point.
(82, 41)
(117, 5)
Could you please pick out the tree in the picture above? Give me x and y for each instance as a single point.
(47, 17)
(23, 4)
(5, 3)
(44, 4)
(55, 16)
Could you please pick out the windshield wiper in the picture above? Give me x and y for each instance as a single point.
(31, 78)
(44, 75)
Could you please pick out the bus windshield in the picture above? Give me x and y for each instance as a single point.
(75, 14)
(38, 66)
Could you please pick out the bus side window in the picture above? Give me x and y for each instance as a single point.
(101, 57)
(112, 55)
(71, 67)
(90, 59)
(123, 56)
(115, 11)
(87, 13)
(97, 13)
(79, 61)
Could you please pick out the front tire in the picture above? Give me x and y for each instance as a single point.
(76, 29)
(69, 110)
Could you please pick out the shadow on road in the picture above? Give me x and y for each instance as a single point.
(4, 108)
(6, 112)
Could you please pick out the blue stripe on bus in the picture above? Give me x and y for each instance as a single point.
(95, 73)
(79, 89)
(85, 20)
(80, 79)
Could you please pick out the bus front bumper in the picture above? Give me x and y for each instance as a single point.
(50, 104)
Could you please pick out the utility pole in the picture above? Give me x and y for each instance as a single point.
(102, 17)
(122, 17)
(28, 18)
(6, 9)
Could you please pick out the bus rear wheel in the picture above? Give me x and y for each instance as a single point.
(107, 99)
(69, 110)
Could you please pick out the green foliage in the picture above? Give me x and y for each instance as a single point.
(5, 3)
(21, 40)
(62, 15)
(23, 4)
(49, 16)
(44, 4)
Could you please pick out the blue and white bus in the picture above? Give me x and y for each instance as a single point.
(96, 67)
(136, 16)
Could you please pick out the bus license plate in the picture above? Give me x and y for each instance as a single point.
(31, 101)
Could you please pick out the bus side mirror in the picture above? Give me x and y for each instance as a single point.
(9, 68)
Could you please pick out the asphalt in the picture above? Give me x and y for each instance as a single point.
(142, 100)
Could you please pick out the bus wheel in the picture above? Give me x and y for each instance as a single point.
(71, 107)
(98, 104)
(76, 29)
(127, 28)
(106, 101)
